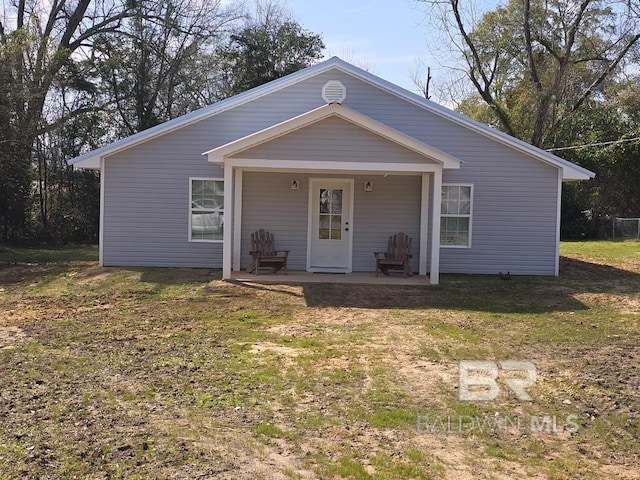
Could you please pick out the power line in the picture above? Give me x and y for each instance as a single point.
(599, 144)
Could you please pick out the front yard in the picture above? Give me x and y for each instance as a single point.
(172, 373)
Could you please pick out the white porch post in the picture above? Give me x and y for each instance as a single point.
(424, 224)
(227, 236)
(101, 232)
(558, 217)
(237, 220)
(434, 274)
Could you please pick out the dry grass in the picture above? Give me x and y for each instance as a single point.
(171, 373)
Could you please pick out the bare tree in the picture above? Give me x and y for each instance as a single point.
(151, 68)
(38, 42)
(535, 62)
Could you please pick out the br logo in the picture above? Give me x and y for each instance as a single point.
(478, 379)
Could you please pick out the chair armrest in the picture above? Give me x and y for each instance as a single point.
(380, 254)
(286, 252)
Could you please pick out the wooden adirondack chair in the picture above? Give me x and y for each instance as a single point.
(264, 253)
(396, 257)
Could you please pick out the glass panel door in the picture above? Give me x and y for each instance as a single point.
(329, 238)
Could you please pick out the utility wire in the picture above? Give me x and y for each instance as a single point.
(599, 144)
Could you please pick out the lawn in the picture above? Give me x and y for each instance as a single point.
(172, 373)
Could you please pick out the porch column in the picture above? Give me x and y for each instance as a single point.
(424, 224)
(101, 232)
(434, 274)
(227, 235)
(237, 220)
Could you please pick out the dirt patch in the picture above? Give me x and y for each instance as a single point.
(94, 275)
(619, 303)
(280, 351)
(20, 273)
(12, 335)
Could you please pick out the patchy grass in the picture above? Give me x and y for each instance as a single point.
(171, 373)
(618, 252)
(79, 253)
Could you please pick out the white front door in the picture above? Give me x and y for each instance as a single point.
(330, 225)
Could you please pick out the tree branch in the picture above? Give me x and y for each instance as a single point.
(20, 19)
(610, 68)
(77, 112)
(53, 17)
(533, 70)
(477, 63)
(74, 21)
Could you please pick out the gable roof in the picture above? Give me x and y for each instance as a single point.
(321, 113)
(570, 171)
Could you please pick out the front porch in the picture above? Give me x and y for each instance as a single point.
(301, 276)
(298, 179)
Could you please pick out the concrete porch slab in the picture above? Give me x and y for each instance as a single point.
(299, 276)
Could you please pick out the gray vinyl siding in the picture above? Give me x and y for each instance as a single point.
(515, 196)
(513, 222)
(146, 211)
(334, 139)
(393, 206)
(269, 203)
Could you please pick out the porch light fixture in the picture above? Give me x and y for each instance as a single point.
(295, 185)
(368, 186)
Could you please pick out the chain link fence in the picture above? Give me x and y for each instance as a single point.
(625, 228)
(601, 226)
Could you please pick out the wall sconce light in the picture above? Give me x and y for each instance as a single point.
(368, 186)
(295, 185)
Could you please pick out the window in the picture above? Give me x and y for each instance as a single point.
(330, 220)
(206, 220)
(455, 218)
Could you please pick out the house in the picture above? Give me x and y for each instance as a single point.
(332, 160)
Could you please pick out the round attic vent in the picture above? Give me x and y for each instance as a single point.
(334, 92)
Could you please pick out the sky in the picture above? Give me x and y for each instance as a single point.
(389, 38)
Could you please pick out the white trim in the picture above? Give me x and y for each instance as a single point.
(227, 236)
(264, 164)
(570, 170)
(470, 215)
(83, 161)
(579, 173)
(221, 153)
(202, 240)
(311, 216)
(93, 163)
(424, 224)
(237, 220)
(434, 273)
(352, 208)
(558, 221)
(101, 228)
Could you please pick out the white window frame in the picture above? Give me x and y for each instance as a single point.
(469, 215)
(191, 179)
